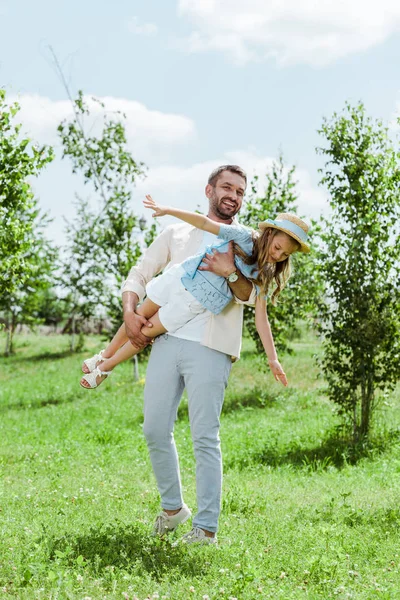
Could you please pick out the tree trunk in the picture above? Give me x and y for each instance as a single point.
(135, 368)
(72, 345)
(366, 406)
(8, 342)
(10, 335)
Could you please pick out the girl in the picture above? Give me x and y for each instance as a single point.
(183, 291)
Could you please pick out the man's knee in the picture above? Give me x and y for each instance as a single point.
(156, 432)
(206, 439)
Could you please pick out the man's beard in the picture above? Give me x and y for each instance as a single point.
(215, 207)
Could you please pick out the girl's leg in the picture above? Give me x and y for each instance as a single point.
(119, 339)
(147, 309)
(127, 350)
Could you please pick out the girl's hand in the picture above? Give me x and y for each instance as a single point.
(159, 211)
(278, 372)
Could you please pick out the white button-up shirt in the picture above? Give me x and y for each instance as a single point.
(176, 243)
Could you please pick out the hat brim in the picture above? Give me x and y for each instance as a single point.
(303, 246)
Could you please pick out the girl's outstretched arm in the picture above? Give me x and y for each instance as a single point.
(264, 331)
(199, 221)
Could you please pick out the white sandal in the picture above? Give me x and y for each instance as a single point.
(91, 363)
(90, 378)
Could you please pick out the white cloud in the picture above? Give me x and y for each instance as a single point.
(315, 32)
(152, 135)
(134, 26)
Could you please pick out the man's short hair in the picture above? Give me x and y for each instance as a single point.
(212, 180)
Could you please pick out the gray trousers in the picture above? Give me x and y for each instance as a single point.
(175, 364)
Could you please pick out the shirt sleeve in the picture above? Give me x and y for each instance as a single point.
(235, 233)
(152, 262)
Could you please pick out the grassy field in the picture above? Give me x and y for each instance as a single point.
(302, 516)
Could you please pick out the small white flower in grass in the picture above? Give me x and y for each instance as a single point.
(205, 597)
(238, 565)
(222, 570)
(259, 589)
(156, 595)
(222, 591)
(282, 575)
(191, 589)
(79, 578)
(125, 596)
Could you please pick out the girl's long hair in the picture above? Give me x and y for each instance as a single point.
(267, 272)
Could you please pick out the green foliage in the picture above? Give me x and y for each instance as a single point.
(360, 265)
(297, 299)
(22, 305)
(27, 259)
(20, 159)
(52, 309)
(103, 244)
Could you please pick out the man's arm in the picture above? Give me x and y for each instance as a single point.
(223, 264)
(153, 260)
(134, 322)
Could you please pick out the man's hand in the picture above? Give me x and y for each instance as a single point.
(278, 372)
(220, 263)
(133, 326)
(159, 211)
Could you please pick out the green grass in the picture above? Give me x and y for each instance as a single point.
(302, 515)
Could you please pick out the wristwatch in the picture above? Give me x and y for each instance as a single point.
(232, 277)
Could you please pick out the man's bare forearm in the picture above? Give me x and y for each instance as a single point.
(130, 301)
(241, 288)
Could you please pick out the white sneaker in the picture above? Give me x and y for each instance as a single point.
(167, 523)
(196, 536)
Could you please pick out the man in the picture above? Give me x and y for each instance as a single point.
(197, 356)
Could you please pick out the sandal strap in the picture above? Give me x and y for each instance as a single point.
(91, 362)
(100, 372)
(90, 378)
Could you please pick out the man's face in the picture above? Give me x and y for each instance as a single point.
(227, 196)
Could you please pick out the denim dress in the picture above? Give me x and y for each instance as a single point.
(212, 290)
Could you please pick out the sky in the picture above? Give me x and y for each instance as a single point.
(202, 82)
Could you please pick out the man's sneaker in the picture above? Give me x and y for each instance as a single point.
(167, 523)
(196, 536)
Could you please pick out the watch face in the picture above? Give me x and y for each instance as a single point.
(233, 277)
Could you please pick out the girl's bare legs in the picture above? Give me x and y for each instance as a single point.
(149, 310)
(119, 339)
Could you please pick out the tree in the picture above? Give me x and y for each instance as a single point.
(21, 305)
(297, 298)
(103, 243)
(20, 159)
(359, 262)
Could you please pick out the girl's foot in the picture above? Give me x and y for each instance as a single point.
(91, 363)
(94, 379)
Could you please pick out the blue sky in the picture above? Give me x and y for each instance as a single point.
(203, 82)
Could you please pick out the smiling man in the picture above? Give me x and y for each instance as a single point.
(198, 357)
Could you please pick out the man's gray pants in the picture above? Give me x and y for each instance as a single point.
(175, 364)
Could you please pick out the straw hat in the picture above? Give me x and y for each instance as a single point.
(292, 226)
